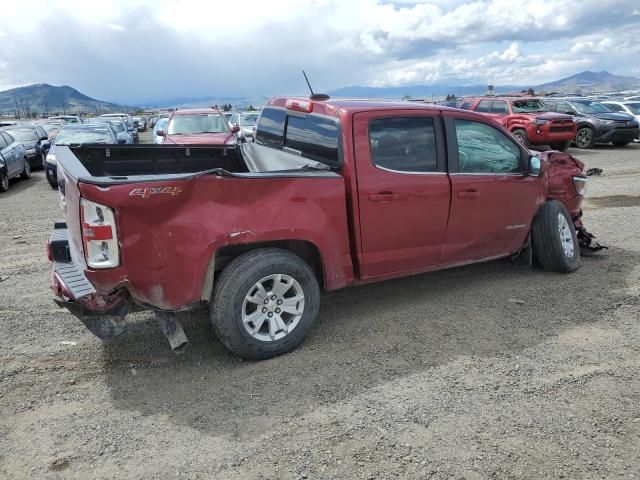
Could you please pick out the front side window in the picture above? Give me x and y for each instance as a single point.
(483, 106)
(499, 106)
(466, 105)
(8, 139)
(484, 149)
(23, 134)
(194, 124)
(3, 142)
(403, 144)
(270, 130)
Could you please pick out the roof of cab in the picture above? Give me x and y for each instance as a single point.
(336, 106)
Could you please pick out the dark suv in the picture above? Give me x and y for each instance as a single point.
(596, 122)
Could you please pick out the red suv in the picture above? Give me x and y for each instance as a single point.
(528, 119)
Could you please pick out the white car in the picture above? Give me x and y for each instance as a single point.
(632, 107)
(161, 124)
(246, 121)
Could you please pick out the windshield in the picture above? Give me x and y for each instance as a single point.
(50, 127)
(187, 124)
(634, 107)
(66, 119)
(117, 125)
(248, 119)
(66, 137)
(528, 106)
(23, 134)
(591, 107)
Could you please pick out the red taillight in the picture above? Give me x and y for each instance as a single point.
(99, 235)
(305, 106)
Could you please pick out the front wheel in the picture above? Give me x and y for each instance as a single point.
(521, 135)
(554, 238)
(585, 138)
(562, 147)
(26, 170)
(265, 302)
(4, 181)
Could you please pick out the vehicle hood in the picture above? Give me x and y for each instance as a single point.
(200, 139)
(548, 116)
(620, 117)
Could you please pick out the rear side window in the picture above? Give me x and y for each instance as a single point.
(483, 106)
(403, 144)
(270, 129)
(315, 137)
(499, 106)
(466, 105)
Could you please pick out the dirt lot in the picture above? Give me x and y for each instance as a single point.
(480, 372)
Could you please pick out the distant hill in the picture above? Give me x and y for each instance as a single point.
(192, 102)
(591, 82)
(44, 98)
(584, 82)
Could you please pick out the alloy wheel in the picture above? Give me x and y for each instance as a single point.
(566, 238)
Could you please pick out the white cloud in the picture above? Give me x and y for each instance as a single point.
(116, 27)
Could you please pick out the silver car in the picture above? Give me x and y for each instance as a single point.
(13, 161)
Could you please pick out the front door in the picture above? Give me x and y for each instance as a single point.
(492, 200)
(403, 190)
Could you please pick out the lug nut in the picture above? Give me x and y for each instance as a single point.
(264, 310)
(279, 302)
(270, 315)
(266, 301)
(273, 297)
(277, 310)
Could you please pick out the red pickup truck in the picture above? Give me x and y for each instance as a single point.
(528, 119)
(330, 194)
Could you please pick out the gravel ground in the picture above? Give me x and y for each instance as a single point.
(485, 371)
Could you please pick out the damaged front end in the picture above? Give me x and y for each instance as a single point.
(566, 182)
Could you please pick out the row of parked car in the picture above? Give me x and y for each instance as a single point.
(560, 122)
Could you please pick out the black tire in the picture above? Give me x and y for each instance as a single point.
(26, 170)
(547, 242)
(4, 181)
(238, 279)
(561, 147)
(521, 135)
(585, 137)
(42, 160)
(620, 144)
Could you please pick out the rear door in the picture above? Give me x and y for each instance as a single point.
(11, 154)
(403, 190)
(492, 200)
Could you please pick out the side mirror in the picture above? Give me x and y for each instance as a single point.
(534, 165)
(42, 139)
(161, 133)
(235, 129)
(572, 113)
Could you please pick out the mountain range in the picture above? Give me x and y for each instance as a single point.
(583, 82)
(49, 99)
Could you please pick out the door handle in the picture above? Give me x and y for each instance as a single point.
(383, 197)
(469, 194)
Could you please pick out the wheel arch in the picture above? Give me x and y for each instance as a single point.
(306, 250)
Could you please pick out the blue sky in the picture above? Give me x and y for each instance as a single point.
(137, 50)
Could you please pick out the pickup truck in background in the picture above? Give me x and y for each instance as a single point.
(528, 119)
(331, 193)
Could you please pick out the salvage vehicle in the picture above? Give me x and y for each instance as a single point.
(630, 108)
(198, 126)
(66, 118)
(13, 161)
(528, 119)
(331, 193)
(596, 122)
(126, 118)
(246, 121)
(35, 141)
(77, 135)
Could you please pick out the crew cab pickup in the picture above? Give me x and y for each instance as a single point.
(331, 193)
(528, 119)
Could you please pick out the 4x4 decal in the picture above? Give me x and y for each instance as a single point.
(149, 191)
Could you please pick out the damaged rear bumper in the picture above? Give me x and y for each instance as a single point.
(103, 315)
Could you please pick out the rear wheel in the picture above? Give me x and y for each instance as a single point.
(4, 181)
(26, 170)
(585, 138)
(562, 147)
(264, 304)
(620, 144)
(555, 243)
(521, 135)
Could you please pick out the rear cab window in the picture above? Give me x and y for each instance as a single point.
(311, 136)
